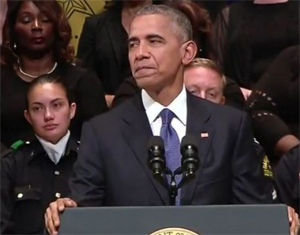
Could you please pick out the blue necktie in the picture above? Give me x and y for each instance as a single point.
(172, 145)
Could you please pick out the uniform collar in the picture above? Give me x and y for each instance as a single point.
(37, 148)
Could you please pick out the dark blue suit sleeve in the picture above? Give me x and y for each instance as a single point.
(87, 183)
(248, 184)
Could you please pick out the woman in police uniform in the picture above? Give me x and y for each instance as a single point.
(37, 172)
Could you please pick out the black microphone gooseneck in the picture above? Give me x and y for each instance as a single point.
(190, 160)
(157, 164)
(156, 159)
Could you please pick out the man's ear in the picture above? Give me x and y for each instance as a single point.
(72, 110)
(189, 51)
(27, 116)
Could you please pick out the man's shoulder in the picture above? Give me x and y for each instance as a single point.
(97, 19)
(218, 109)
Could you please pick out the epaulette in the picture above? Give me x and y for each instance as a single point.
(6, 152)
(19, 144)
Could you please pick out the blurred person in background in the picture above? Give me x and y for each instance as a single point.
(36, 36)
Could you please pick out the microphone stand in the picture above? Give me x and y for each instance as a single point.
(173, 187)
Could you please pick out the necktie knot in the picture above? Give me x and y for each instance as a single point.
(166, 116)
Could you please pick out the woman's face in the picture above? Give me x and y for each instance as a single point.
(34, 30)
(49, 111)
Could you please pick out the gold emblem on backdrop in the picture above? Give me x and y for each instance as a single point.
(174, 231)
(77, 11)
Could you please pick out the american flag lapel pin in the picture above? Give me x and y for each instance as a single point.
(204, 135)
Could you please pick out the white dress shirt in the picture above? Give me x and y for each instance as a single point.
(55, 151)
(178, 107)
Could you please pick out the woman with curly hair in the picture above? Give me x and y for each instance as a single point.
(36, 36)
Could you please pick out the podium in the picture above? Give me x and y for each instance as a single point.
(184, 220)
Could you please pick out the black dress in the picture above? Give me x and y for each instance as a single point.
(274, 102)
(85, 86)
(247, 37)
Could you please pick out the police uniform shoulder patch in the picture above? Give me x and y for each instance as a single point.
(14, 147)
(18, 144)
(267, 170)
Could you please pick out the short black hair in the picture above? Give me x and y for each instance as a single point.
(48, 78)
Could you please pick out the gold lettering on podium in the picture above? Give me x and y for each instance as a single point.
(174, 231)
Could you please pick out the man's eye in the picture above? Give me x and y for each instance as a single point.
(132, 44)
(154, 41)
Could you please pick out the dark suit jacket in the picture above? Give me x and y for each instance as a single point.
(100, 47)
(112, 166)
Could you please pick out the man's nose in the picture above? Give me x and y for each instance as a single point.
(203, 94)
(142, 52)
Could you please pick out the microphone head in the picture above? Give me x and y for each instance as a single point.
(190, 160)
(156, 141)
(188, 140)
(156, 158)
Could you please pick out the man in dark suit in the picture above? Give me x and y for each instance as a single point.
(112, 166)
(103, 43)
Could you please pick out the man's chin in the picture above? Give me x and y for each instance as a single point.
(143, 82)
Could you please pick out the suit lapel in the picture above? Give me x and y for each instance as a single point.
(198, 125)
(137, 131)
(114, 29)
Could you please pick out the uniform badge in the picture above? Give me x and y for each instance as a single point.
(267, 170)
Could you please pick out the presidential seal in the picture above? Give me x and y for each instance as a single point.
(174, 231)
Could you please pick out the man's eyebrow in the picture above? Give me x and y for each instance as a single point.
(131, 39)
(152, 36)
(215, 88)
(148, 37)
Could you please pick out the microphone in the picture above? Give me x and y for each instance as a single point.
(156, 156)
(190, 159)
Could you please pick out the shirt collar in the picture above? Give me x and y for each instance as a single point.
(55, 151)
(178, 106)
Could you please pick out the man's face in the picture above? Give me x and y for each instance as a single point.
(204, 83)
(155, 52)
